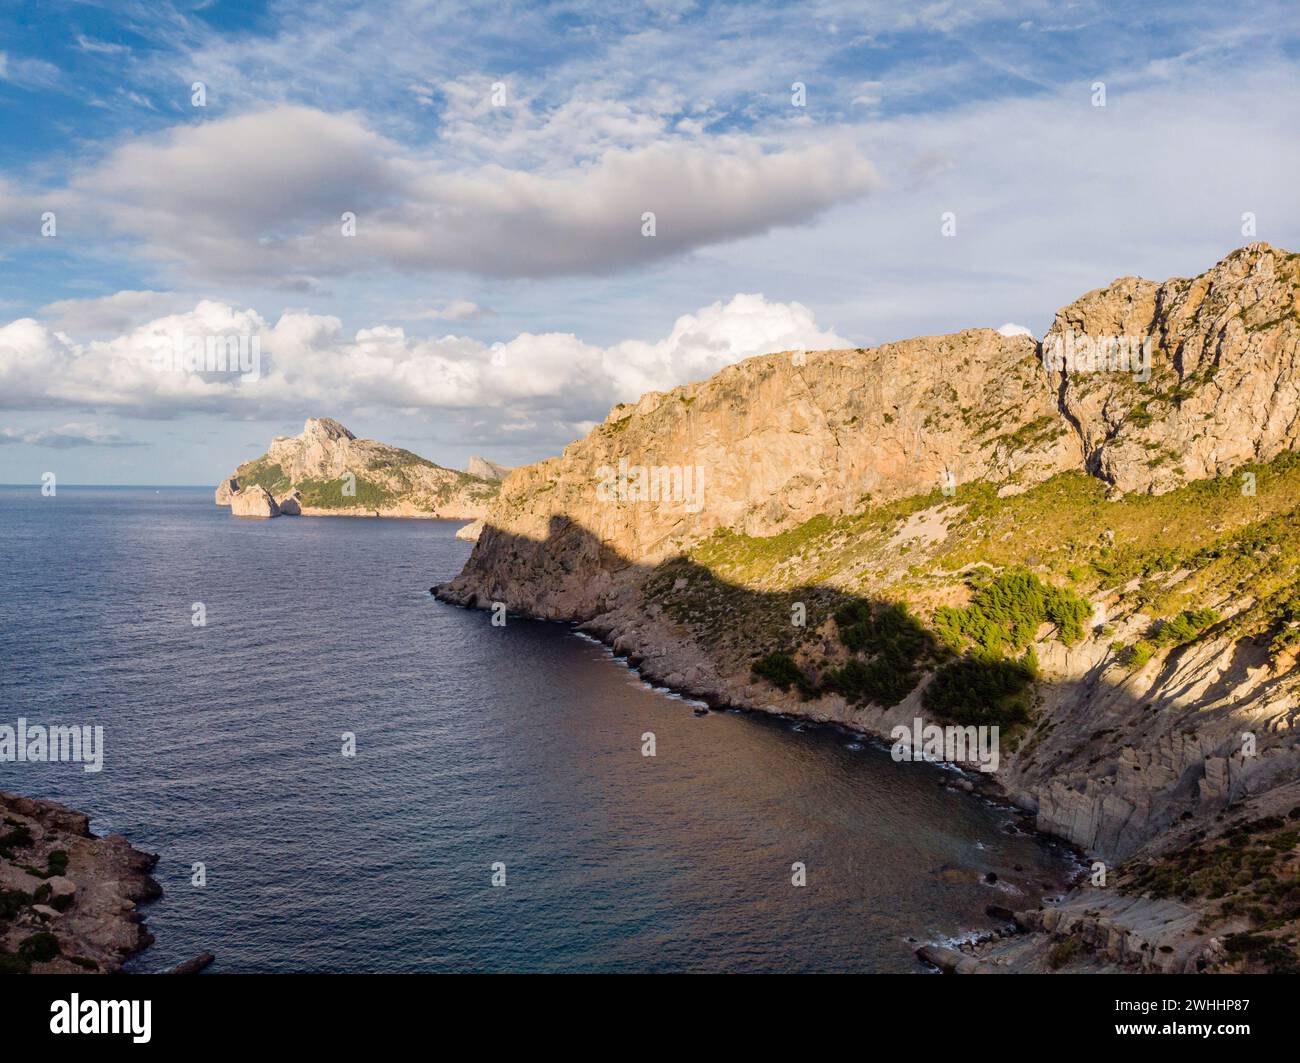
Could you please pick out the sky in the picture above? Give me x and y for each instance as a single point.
(471, 228)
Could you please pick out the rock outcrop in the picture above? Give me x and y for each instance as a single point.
(1224, 383)
(254, 501)
(890, 474)
(226, 490)
(68, 898)
(486, 470)
(763, 446)
(774, 440)
(471, 531)
(328, 471)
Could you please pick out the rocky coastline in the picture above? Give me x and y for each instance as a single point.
(1158, 735)
(68, 898)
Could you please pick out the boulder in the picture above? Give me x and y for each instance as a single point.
(255, 501)
(194, 966)
(291, 504)
(470, 532)
(226, 490)
(61, 886)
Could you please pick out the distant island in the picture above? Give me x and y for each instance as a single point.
(328, 471)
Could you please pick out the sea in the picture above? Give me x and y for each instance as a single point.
(341, 773)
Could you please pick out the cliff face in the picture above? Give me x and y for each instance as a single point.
(763, 446)
(1224, 384)
(1162, 494)
(328, 471)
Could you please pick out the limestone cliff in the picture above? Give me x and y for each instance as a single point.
(327, 471)
(1136, 471)
(1224, 384)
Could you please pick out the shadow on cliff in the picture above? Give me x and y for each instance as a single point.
(874, 654)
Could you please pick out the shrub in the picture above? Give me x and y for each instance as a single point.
(17, 837)
(889, 631)
(882, 681)
(982, 690)
(13, 964)
(1007, 613)
(40, 947)
(12, 902)
(1063, 951)
(1137, 655)
(781, 670)
(1184, 627)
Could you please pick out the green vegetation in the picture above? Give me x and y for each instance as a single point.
(13, 964)
(1179, 631)
(12, 902)
(894, 644)
(1063, 950)
(1027, 560)
(1007, 612)
(895, 641)
(1252, 871)
(1183, 628)
(781, 670)
(265, 474)
(17, 837)
(328, 494)
(984, 690)
(881, 682)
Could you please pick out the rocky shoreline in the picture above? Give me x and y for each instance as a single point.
(1014, 941)
(1086, 930)
(68, 898)
(1108, 570)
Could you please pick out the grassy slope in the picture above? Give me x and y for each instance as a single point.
(1205, 544)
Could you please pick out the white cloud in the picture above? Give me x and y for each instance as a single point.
(1012, 329)
(308, 363)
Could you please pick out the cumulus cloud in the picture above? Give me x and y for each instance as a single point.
(307, 362)
(262, 196)
(66, 436)
(1012, 329)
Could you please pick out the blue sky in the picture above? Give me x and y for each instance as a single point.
(499, 294)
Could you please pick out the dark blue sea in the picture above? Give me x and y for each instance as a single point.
(475, 745)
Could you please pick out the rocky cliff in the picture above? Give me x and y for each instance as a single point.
(1091, 541)
(327, 471)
